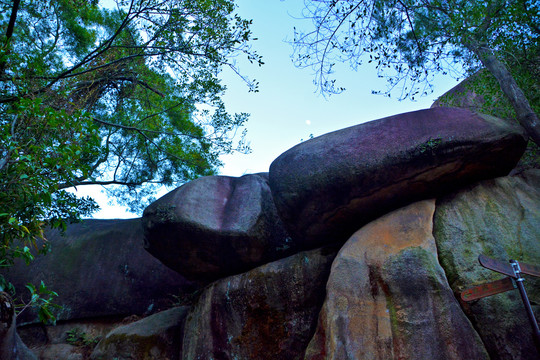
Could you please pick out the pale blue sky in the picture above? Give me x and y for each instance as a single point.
(287, 108)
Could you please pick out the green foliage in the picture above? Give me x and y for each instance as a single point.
(482, 92)
(409, 41)
(140, 73)
(127, 96)
(77, 337)
(42, 299)
(429, 146)
(7, 286)
(42, 147)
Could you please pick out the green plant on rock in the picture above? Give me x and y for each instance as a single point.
(42, 299)
(77, 337)
(430, 145)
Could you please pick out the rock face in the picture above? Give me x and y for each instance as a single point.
(267, 313)
(70, 340)
(327, 187)
(153, 338)
(216, 226)
(100, 268)
(390, 293)
(387, 297)
(499, 218)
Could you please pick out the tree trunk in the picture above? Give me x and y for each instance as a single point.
(11, 346)
(7, 326)
(525, 114)
(9, 33)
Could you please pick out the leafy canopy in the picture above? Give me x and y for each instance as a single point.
(409, 41)
(126, 95)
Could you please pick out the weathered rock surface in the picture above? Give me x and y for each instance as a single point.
(60, 351)
(216, 226)
(11, 346)
(327, 187)
(100, 268)
(157, 337)
(267, 313)
(69, 340)
(499, 218)
(387, 296)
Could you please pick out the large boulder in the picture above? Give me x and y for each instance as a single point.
(327, 187)
(157, 337)
(100, 268)
(216, 226)
(499, 218)
(267, 313)
(388, 297)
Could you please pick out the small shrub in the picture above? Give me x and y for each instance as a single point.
(77, 337)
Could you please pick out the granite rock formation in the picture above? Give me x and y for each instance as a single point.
(99, 268)
(499, 218)
(407, 203)
(387, 294)
(327, 187)
(216, 226)
(152, 338)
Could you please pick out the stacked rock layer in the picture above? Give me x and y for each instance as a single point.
(355, 245)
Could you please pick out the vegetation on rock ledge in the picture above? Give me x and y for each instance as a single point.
(126, 96)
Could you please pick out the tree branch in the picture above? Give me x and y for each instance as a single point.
(132, 79)
(103, 183)
(329, 40)
(94, 53)
(9, 34)
(12, 19)
(142, 131)
(406, 8)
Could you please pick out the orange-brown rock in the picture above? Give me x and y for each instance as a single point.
(388, 298)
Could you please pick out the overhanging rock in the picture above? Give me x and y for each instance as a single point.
(327, 187)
